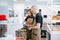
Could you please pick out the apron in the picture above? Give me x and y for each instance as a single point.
(36, 33)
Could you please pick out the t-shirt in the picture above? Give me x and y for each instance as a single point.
(30, 20)
(39, 19)
(28, 17)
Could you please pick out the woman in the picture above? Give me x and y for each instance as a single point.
(29, 22)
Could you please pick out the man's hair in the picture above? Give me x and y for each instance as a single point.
(33, 6)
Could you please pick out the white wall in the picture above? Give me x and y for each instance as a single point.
(19, 10)
(15, 23)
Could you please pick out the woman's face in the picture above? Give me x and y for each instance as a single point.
(29, 13)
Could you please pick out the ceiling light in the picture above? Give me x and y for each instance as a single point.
(27, 0)
(42, 0)
(15, 0)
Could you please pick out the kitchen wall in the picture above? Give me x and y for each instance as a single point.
(15, 23)
(49, 7)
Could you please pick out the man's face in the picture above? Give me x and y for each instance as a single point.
(33, 9)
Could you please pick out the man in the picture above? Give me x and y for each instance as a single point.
(38, 21)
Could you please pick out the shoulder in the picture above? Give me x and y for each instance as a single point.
(26, 18)
(38, 15)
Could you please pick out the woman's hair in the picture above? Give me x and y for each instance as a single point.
(30, 12)
(29, 9)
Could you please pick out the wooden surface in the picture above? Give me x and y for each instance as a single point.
(56, 28)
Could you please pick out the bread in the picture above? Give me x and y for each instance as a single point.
(56, 18)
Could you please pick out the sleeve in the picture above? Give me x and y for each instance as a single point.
(39, 19)
(26, 18)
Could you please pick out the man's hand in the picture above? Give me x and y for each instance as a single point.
(30, 25)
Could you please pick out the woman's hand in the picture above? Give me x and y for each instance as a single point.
(30, 28)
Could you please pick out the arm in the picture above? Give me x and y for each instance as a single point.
(37, 26)
(39, 19)
(39, 22)
(26, 21)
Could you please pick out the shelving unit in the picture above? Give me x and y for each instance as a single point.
(3, 28)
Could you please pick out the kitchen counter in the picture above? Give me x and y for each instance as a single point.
(53, 32)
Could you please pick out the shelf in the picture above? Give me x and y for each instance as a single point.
(54, 21)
